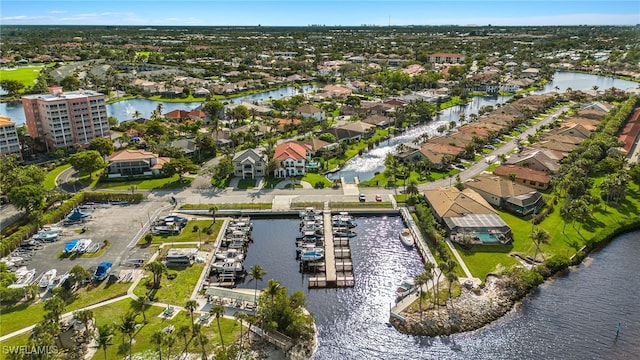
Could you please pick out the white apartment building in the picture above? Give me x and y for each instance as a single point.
(9, 143)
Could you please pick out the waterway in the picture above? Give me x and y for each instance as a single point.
(573, 316)
(124, 110)
(366, 166)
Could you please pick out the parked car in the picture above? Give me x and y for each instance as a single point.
(460, 166)
(362, 198)
(378, 197)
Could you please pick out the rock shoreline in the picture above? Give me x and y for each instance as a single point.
(469, 311)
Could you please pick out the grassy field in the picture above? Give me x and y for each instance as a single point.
(188, 235)
(25, 75)
(148, 184)
(50, 179)
(26, 314)
(313, 178)
(174, 291)
(484, 259)
(246, 184)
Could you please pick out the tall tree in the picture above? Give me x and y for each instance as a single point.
(85, 317)
(103, 338)
(127, 326)
(102, 145)
(157, 268)
(158, 339)
(183, 332)
(179, 166)
(256, 274)
(87, 161)
(218, 312)
(539, 236)
(55, 306)
(30, 198)
(212, 211)
(191, 307)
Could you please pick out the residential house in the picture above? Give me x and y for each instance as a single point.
(292, 159)
(318, 147)
(353, 131)
(526, 176)
(467, 216)
(177, 115)
(286, 124)
(249, 164)
(537, 159)
(530, 73)
(187, 146)
(134, 163)
(506, 194)
(310, 111)
(378, 120)
(630, 135)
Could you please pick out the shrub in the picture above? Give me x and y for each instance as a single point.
(319, 185)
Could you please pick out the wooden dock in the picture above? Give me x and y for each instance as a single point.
(337, 268)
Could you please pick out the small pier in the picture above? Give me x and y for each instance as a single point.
(337, 265)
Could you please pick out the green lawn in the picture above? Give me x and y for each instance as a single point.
(246, 184)
(110, 314)
(50, 179)
(188, 235)
(483, 259)
(25, 75)
(174, 291)
(172, 182)
(26, 314)
(313, 178)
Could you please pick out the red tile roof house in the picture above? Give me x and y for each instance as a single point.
(292, 159)
(631, 132)
(134, 163)
(177, 115)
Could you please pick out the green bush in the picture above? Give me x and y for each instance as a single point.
(319, 185)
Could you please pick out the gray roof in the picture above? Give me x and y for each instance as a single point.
(229, 294)
(470, 221)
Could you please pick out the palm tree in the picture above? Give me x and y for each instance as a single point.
(142, 305)
(251, 320)
(170, 341)
(241, 316)
(538, 236)
(451, 278)
(183, 332)
(55, 306)
(421, 280)
(136, 114)
(256, 274)
(191, 307)
(157, 268)
(157, 338)
(201, 339)
(218, 312)
(272, 290)
(103, 338)
(128, 327)
(213, 210)
(412, 188)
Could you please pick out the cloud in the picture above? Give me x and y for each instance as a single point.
(57, 12)
(23, 18)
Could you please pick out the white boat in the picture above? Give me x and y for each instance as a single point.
(83, 245)
(47, 236)
(312, 255)
(235, 254)
(52, 228)
(47, 278)
(406, 238)
(228, 265)
(406, 287)
(24, 277)
(57, 281)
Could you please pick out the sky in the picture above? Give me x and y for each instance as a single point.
(315, 12)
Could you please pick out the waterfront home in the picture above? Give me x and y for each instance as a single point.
(630, 135)
(177, 115)
(292, 159)
(468, 218)
(285, 125)
(506, 194)
(134, 163)
(353, 131)
(528, 177)
(380, 121)
(250, 163)
(318, 147)
(310, 111)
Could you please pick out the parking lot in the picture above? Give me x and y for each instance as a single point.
(121, 225)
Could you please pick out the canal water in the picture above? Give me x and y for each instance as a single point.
(573, 316)
(366, 166)
(124, 110)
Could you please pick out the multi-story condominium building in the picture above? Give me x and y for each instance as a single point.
(64, 119)
(9, 143)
